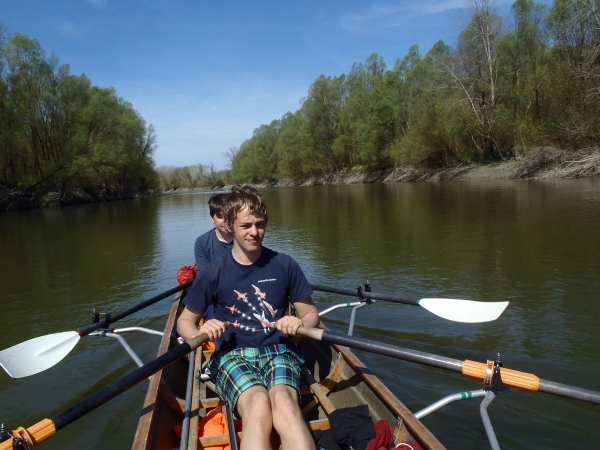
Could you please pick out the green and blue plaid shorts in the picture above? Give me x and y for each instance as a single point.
(243, 368)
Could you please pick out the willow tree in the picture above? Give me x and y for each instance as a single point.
(58, 131)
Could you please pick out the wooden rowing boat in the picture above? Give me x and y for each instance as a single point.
(334, 378)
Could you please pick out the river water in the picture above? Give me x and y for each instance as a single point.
(534, 243)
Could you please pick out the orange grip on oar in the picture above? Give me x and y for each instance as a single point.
(510, 377)
(35, 434)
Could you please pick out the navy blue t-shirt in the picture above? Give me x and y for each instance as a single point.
(208, 247)
(250, 297)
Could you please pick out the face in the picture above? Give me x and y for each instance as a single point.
(220, 222)
(248, 230)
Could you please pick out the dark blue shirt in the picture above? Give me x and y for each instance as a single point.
(208, 248)
(250, 297)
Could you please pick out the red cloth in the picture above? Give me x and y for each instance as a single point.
(383, 436)
(186, 273)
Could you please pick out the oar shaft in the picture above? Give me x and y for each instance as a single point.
(470, 368)
(564, 390)
(350, 292)
(134, 309)
(428, 359)
(126, 382)
(46, 428)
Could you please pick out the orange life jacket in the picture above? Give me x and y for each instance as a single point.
(213, 424)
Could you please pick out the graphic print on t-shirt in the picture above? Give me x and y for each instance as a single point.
(257, 310)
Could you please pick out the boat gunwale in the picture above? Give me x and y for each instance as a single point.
(145, 422)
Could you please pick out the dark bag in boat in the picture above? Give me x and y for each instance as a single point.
(349, 427)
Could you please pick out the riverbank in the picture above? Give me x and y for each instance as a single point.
(542, 163)
(11, 199)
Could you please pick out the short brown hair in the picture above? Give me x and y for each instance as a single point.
(241, 196)
(216, 204)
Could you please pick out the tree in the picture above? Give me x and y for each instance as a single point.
(59, 131)
(575, 28)
(230, 155)
(474, 73)
(524, 74)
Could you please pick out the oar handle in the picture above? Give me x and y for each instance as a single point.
(363, 294)
(133, 309)
(48, 427)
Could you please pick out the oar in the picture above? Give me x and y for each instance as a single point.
(48, 427)
(41, 353)
(470, 368)
(466, 311)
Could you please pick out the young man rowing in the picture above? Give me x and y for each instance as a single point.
(257, 365)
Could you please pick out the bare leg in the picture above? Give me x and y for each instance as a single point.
(255, 408)
(288, 420)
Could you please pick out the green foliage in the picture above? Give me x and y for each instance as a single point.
(534, 80)
(58, 131)
(192, 177)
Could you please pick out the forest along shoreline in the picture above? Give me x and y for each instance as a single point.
(13, 200)
(541, 163)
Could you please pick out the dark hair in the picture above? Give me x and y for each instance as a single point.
(241, 196)
(216, 204)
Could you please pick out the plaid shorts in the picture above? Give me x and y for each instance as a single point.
(243, 368)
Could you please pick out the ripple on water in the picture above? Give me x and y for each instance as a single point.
(532, 243)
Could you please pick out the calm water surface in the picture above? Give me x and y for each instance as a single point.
(534, 243)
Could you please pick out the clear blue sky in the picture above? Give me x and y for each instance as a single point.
(207, 73)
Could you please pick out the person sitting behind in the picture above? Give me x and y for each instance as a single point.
(218, 241)
(256, 363)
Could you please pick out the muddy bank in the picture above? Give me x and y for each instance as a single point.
(13, 200)
(541, 163)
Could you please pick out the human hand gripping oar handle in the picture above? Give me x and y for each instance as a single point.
(103, 323)
(48, 427)
(470, 368)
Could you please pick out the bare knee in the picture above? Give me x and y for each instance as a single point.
(255, 404)
(284, 403)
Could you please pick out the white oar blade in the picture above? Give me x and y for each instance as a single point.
(38, 354)
(466, 311)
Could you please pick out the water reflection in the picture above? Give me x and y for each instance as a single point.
(533, 243)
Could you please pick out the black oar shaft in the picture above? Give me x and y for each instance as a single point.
(374, 296)
(126, 382)
(133, 309)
